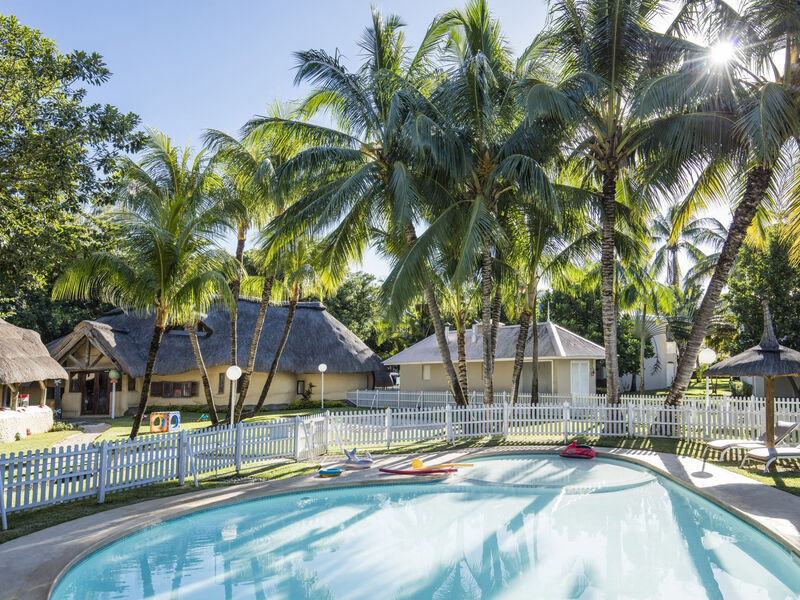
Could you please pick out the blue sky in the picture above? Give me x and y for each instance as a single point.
(187, 66)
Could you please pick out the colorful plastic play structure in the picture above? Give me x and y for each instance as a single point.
(576, 450)
(162, 422)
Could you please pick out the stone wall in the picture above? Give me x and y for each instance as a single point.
(32, 419)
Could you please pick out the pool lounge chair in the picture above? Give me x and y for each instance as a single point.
(770, 455)
(782, 429)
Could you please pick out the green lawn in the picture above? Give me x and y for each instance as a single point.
(698, 388)
(36, 442)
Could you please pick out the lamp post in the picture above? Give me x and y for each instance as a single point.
(114, 375)
(706, 357)
(233, 374)
(322, 368)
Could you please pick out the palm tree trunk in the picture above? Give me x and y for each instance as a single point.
(486, 317)
(461, 332)
(198, 357)
(155, 342)
(266, 294)
(607, 260)
(236, 286)
(519, 353)
(444, 347)
(497, 305)
(676, 268)
(438, 330)
(641, 351)
(281, 345)
(535, 352)
(758, 180)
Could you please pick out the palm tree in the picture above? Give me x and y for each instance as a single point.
(648, 298)
(253, 160)
(500, 159)
(297, 274)
(167, 262)
(766, 117)
(361, 180)
(610, 58)
(669, 247)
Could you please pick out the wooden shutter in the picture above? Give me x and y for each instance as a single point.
(194, 389)
(157, 389)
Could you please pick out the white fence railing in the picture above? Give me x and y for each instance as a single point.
(396, 398)
(34, 479)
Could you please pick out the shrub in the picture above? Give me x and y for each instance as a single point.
(63, 426)
(741, 388)
(307, 403)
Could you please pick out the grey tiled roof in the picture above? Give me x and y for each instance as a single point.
(554, 342)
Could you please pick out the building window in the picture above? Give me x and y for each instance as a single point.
(426, 372)
(301, 386)
(174, 389)
(131, 384)
(76, 382)
(221, 384)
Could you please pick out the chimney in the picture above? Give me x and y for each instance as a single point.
(447, 332)
(474, 332)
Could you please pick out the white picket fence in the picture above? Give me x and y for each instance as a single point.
(34, 479)
(396, 398)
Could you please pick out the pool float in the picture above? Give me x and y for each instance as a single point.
(330, 472)
(417, 471)
(576, 450)
(417, 465)
(354, 462)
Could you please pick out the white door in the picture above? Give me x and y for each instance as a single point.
(579, 377)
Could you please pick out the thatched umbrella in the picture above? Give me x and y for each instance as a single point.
(768, 360)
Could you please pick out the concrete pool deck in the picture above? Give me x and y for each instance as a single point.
(32, 563)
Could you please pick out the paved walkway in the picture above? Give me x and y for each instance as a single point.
(32, 563)
(88, 434)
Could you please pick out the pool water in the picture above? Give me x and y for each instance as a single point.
(510, 527)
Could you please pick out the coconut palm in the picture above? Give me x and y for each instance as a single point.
(648, 300)
(252, 160)
(611, 59)
(166, 260)
(669, 248)
(763, 107)
(297, 274)
(362, 181)
(501, 159)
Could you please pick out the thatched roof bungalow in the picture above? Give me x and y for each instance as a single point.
(119, 341)
(24, 360)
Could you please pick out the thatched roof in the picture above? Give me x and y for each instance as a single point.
(768, 359)
(315, 337)
(555, 341)
(24, 358)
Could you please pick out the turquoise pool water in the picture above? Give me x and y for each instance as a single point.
(510, 527)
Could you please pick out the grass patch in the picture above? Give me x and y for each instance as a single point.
(30, 521)
(39, 441)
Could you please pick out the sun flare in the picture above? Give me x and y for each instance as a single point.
(722, 52)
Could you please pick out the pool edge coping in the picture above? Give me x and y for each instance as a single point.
(265, 489)
(791, 547)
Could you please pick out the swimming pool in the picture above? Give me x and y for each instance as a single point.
(523, 526)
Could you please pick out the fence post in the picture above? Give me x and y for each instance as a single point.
(631, 424)
(238, 445)
(326, 428)
(505, 416)
(566, 421)
(297, 439)
(357, 401)
(182, 442)
(388, 426)
(101, 473)
(448, 423)
(3, 521)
